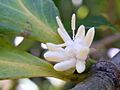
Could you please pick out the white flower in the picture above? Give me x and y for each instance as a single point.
(18, 40)
(73, 52)
(77, 2)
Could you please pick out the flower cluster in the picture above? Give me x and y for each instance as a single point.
(72, 53)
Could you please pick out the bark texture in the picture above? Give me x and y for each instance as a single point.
(105, 76)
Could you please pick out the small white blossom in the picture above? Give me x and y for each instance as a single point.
(77, 2)
(72, 53)
(18, 40)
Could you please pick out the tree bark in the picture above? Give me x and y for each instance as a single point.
(105, 76)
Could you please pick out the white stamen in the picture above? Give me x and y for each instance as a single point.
(73, 24)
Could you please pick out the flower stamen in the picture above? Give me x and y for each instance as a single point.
(73, 25)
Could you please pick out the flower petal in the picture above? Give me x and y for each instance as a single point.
(89, 36)
(64, 36)
(80, 66)
(82, 53)
(55, 56)
(54, 47)
(63, 32)
(80, 32)
(69, 51)
(65, 65)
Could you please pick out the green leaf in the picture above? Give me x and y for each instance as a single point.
(34, 19)
(16, 64)
(96, 21)
(6, 41)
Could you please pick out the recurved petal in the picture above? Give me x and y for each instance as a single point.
(54, 56)
(80, 66)
(89, 36)
(65, 65)
(80, 32)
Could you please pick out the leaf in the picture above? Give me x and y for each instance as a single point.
(34, 19)
(17, 64)
(97, 22)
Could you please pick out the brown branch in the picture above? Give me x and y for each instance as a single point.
(105, 76)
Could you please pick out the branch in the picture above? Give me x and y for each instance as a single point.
(106, 41)
(105, 76)
(99, 47)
